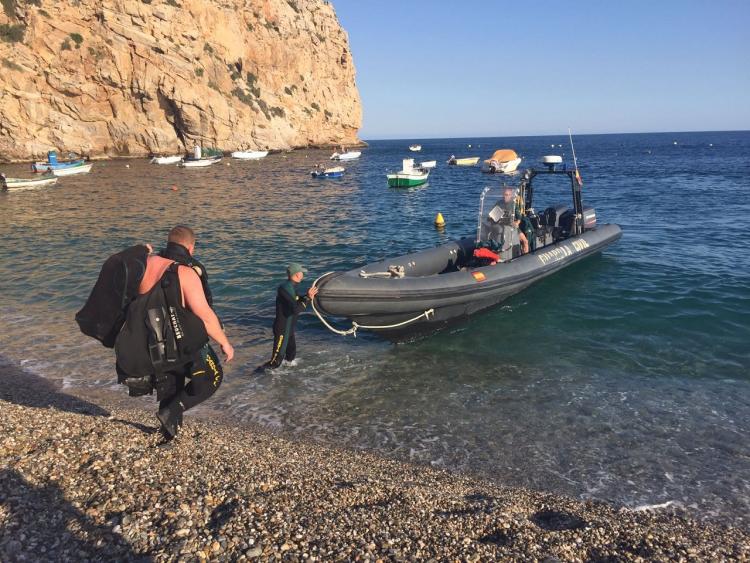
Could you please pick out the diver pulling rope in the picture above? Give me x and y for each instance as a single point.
(356, 326)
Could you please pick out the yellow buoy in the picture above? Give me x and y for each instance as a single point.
(439, 221)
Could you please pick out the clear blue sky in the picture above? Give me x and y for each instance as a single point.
(482, 68)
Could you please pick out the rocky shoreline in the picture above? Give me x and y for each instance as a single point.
(83, 480)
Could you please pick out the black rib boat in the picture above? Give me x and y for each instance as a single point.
(423, 291)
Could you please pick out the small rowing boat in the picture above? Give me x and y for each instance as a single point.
(334, 172)
(166, 159)
(26, 183)
(468, 161)
(69, 171)
(249, 155)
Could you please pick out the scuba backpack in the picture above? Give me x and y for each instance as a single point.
(158, 335)
(104, 312)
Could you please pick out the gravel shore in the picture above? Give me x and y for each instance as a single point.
(83, 480)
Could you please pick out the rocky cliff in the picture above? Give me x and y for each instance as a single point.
(131, 77)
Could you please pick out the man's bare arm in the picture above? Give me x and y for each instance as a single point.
(195, 300)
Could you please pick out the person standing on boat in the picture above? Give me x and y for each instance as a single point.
(289, 304)
(509, 200)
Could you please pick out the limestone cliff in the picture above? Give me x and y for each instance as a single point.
(132, 77)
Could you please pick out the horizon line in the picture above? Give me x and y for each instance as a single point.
(554, 135)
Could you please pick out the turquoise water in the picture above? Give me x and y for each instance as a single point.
(625, 377)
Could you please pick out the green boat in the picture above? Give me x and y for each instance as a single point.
(409, 176)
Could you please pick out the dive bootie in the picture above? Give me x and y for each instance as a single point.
(171, 419)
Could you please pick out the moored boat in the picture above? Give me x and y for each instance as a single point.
(70, 170)
(408, 176)
(467, 161)
(53, 164)
(424, 291)
(415, 148)
(26, 183)
(428, 164)
(199, 162)
(348, 155)
(503, 161)
(333, 172)
(249, 155)
(166, 159)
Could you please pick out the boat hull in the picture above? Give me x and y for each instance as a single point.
(25, 183)
(200, 163)
(351, 155)
(464, 161)
(495, 167)
(315, 174)
(166, 159)
(406, 180)
(249, 155)
(44, 167)
(452, 295)
(81, 169)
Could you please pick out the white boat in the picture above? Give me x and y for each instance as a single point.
(408, 177)
(166, 159)
(428, 165)
(82, 169)
(503, 161)
(249, 155)
(349, 155)
(26, 183)
(415, 148)
(199, 162)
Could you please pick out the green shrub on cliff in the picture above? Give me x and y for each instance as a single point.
(12, 33)
(77, 39)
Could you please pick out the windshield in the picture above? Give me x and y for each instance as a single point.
(498, 214)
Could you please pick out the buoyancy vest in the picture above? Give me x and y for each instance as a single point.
(159, 333)
(104, 312)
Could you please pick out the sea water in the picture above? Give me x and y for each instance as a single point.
(625, 377)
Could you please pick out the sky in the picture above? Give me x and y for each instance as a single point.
(432, 69)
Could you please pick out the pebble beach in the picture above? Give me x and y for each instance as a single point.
(85, 480)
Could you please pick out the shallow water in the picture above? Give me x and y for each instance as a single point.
(625, 377)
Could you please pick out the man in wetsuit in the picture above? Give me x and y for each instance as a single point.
(289, 304)
(186, 387)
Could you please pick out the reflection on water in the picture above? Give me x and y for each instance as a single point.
(624, 377)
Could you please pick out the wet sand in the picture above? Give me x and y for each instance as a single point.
(83, 479)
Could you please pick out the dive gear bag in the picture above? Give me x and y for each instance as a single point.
(104, 312)
(159, 334)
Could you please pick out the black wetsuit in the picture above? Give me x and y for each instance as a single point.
(289, 304)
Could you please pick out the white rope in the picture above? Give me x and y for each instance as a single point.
(355, 326)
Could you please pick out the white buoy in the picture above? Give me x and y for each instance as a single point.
(127, 166)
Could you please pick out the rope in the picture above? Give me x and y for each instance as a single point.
(356, 326)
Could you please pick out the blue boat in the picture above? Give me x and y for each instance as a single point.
(335, 172)
(54, 164)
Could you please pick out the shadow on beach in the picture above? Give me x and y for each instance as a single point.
(40, 524)
(21, 387)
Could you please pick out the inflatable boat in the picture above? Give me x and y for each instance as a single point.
(424, 291)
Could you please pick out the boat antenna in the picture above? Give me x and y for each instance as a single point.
(575, 160)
